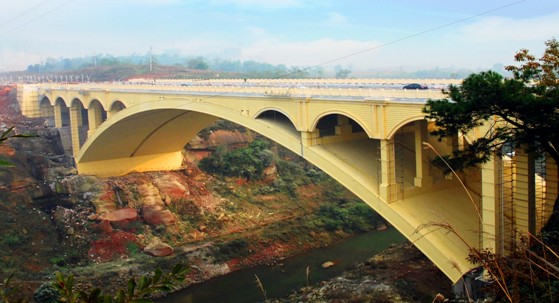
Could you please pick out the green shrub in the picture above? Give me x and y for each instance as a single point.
(13, 240)
(46, 293)
(248, 162)
(133, 248)
(237, 248)
(59, 261)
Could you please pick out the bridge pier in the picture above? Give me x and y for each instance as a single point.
(75, 123)
(422, 177)
(525, 198)
(58, 115)
(343, 128)
(94, 117)
(491, 195)
(551, 189)
(388, 188)
(309, 139)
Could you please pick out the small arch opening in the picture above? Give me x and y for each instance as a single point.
(64, 112)
(116, 107)
(331, 125)
(47, 111)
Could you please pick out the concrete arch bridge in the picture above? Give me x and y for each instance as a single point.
(368, 137)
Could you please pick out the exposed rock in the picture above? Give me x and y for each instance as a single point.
(220, 138)
(106, 201)
(158, 248)
(171, 186)
(381, 226)
(104, 226)
(158, 215)
(270, 173)
(149, 194)
(121, 216)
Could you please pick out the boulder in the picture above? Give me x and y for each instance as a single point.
(270, 174)
(171, 187)
(158, 248)
(158, 215)
(149, 194)
(381, 226)
(120, 216)
(104, 227)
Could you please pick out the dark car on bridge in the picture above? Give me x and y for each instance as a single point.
(415, 86)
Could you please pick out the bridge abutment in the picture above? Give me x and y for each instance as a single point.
(123, 166)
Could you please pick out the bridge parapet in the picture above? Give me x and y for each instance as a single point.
(323, 91)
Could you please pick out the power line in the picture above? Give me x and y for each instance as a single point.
(387, 43)
(36, 18)
(25, 12)
(404, 38)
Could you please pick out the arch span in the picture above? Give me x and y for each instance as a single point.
(47, 111)
(61, 112)
(348, 119)
(152, 136)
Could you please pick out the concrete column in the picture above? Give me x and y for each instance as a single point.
(95, 119)
(75, 123)
(388, 188)
(491, 233)
(57, 115)
(422, 177)
(551, 187)
(343, 127)
(310, 138)
(525, 199)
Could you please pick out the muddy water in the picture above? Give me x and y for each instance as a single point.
(280, 281)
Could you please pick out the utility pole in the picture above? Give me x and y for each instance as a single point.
(150, 60)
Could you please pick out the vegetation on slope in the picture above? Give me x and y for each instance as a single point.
(528, 107)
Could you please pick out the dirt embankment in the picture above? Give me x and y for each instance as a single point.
(399, 274)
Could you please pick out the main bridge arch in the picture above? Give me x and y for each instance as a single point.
(152, 135)
(383, 163)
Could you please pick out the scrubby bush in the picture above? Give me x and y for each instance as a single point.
(248, 162)
(46, 293)
(237, 248)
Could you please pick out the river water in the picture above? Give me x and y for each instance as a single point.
(280, 281)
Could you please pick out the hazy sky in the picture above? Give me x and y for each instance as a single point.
(358, 34)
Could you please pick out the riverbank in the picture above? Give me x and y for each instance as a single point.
(288, 275)
(399, 274)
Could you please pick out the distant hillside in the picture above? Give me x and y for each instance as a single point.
(111, 68)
